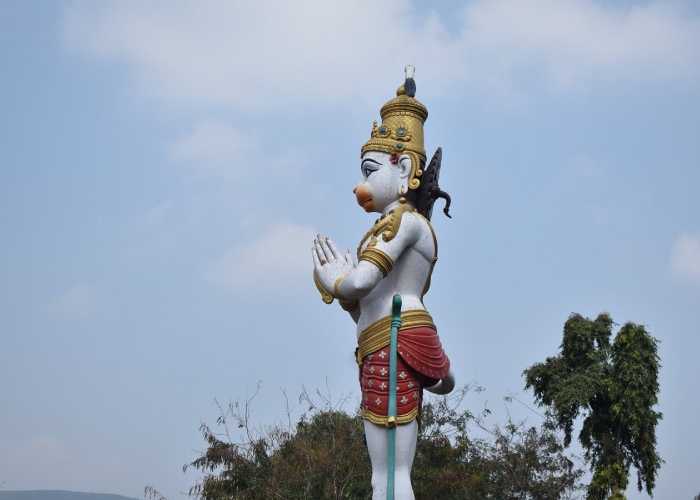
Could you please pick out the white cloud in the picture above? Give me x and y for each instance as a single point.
(155, 246)
(156, 224)
(216, 149)
(685, 257)
(75, 303)
(154, 216)
(275, 259)
(579, 42)
(272, 55)
(238, 182)
(45, 463)
(254, 55)
(213, 145)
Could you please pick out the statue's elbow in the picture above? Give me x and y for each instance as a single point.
(361, 282)
(364, 288)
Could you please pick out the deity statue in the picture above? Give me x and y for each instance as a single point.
(395, 257)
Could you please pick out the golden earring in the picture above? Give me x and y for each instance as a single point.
(402, 199)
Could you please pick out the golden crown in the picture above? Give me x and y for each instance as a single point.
(401, 131)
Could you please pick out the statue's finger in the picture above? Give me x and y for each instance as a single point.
(336, 253)
(325, 248)
(314, 255)
(321, 254)
(348, 257)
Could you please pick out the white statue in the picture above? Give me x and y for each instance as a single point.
(396, 256)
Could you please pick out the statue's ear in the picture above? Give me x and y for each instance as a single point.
(404, 165)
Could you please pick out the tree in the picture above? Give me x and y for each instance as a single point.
(324, 456)
(460, 456)
(615, 388)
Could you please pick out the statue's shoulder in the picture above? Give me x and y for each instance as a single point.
(415, 224)
(405, 220)
(385, 228)
(416, 219)
(404, 217)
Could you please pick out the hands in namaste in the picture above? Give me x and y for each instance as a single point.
(329, 262)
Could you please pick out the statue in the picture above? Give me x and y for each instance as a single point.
(395, 257)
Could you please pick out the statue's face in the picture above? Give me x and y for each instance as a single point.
(380, 182)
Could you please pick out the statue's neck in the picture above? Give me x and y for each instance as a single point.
(394, 205)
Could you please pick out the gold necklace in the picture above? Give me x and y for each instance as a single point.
(388, 224)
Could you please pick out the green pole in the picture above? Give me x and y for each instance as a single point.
(391, 411)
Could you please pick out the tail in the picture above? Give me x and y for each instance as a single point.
(445, 385)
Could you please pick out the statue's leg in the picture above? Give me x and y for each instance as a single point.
(405, 451)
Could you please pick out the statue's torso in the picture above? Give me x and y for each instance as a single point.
(410, 276)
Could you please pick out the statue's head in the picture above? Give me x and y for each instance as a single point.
(393, 160)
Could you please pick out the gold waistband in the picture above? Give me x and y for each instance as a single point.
(378, 334)
(382, 420)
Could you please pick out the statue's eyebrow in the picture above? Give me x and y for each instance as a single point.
(370, 159)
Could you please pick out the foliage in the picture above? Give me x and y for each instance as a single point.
(514, 462)
(615, 387)
(57, 495)
(325, 456)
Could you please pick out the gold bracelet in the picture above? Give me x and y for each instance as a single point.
(336, 292)
(325, 294)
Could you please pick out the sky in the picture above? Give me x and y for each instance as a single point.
(165, 167)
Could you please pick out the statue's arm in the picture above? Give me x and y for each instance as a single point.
(359, 282)
(377, 261)
(334, 269)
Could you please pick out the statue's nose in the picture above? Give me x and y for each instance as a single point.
(354, 190)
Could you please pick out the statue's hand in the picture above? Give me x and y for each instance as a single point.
(329, 263)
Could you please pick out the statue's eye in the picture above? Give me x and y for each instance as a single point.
(368, 169)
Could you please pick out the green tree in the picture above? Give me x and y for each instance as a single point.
(324, 456)
(615, 387)
(460, 456)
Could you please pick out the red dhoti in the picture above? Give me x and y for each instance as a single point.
(421, 362)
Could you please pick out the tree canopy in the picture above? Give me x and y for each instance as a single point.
(325, 456)
(614, 386)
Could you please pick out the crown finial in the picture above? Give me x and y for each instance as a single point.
(410, 83)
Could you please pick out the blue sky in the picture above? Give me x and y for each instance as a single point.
(166, 165)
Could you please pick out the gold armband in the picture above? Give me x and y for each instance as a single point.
(379, 259)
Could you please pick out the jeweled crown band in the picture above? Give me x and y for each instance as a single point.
(401, 132)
